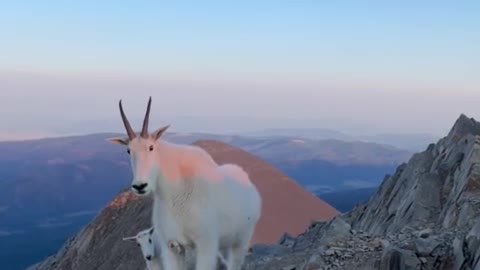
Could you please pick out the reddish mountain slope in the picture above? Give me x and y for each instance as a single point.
(287, 207)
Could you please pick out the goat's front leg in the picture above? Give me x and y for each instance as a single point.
(172, 260)
(168, 258)
(207, 253)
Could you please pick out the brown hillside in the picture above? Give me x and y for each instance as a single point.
(287, 207)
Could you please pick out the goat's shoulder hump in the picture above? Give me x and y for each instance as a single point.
(198, 152)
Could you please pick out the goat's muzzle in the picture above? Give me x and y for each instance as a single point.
(140, 188)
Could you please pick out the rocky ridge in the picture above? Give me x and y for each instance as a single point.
(424, 216)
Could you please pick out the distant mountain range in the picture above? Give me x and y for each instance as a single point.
(318, 164)
(411, 142)
(52, 187)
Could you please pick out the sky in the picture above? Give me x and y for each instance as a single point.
(231, 66)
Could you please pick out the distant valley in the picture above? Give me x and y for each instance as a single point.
(412, 142)
(345, 200)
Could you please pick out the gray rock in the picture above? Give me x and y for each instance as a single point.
(287, 240)
(458, 253)
(392, 260)
(411, 260)
(473, 245)
(329, 252)
(424, 233)
(425, 247)
(315, 262)
(269, 250)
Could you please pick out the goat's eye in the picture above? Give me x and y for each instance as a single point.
(128, 151)
(138, 244)
(150, 148)
(150, 240)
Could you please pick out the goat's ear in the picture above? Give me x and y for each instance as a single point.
(159, 132)
(118, 140)
(151, 230)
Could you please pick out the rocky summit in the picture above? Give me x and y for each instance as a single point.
(423, 216)
(426, 215)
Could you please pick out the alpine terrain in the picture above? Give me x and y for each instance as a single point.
(425, 215)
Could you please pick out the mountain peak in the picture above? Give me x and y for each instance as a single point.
(434, 187)
(464, 126)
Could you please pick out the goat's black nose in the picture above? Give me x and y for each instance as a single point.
(140, 187)
(148, 257)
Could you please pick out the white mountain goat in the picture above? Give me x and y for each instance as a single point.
(197, 203)
(144, 240)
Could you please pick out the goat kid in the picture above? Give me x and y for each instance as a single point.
(144, 240)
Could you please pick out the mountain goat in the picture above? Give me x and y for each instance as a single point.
(144, 240)
(197, 202)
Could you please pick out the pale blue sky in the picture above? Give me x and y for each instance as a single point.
(330, 60)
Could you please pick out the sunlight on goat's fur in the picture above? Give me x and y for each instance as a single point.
(198, 203)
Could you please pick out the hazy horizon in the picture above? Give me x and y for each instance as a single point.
(214, 67)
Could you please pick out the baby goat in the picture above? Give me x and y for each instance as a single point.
(145, 241)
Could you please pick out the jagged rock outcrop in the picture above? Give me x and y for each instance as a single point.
(424, 216)
(439, 187)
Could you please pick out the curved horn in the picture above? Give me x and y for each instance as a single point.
(130, 132)
(144, 133)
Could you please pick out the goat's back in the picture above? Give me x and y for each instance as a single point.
(238, 203)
